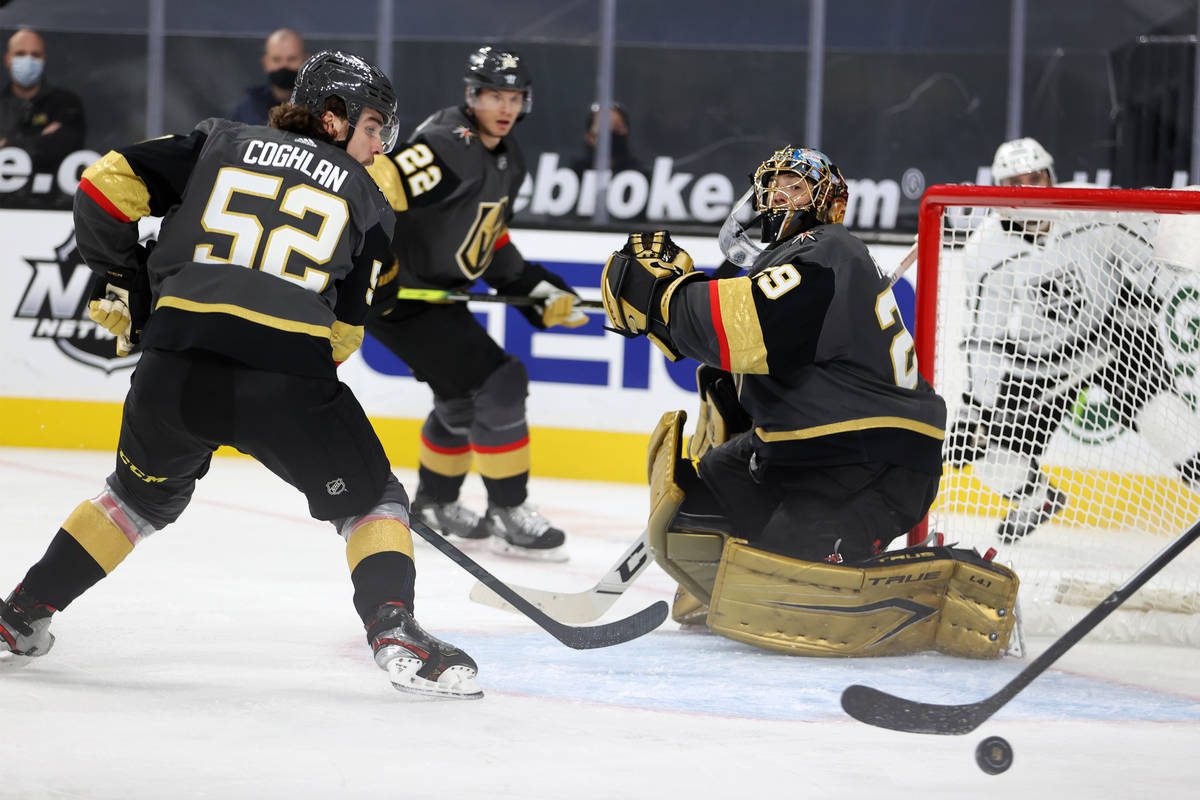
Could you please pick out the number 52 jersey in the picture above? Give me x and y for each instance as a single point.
(268, 239)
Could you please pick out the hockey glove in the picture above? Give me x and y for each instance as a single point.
(638, 283)
(559, 306)
(120, 303)
(344, 339)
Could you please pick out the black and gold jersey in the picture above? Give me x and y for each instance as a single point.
(454, 199)
(267, 239)
(822, 359)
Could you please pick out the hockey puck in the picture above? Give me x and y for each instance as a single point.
(994, 755)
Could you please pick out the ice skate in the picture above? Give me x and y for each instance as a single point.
(1023, 520)
(417, 662)
(453, 520)
(521, 531)
(24, 629)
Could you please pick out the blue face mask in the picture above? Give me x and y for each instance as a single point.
(26, 70)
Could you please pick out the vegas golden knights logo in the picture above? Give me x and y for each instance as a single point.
(475, 252)
(56, 299)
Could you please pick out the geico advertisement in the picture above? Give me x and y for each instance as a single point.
(585, 378)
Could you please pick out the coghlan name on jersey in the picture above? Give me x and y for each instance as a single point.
(290, 156)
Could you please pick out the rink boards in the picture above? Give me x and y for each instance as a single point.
(594, 396)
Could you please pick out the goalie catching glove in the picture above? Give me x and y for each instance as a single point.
(638, 283)
(119, 302)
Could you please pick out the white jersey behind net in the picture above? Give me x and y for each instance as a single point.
(1067, 348)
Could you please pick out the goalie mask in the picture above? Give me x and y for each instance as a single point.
(359, 84)
(797, 189)
(502, 71)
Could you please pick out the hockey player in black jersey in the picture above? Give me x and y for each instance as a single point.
(453, 186)
(818, 442)
(841, 451)
(271, 246)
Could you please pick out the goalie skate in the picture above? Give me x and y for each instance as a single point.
(417, 662)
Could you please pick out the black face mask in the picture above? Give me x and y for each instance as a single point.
(282, 78)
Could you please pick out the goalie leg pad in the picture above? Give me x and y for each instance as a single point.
(687, 551)
(721, 415)
(894, 605)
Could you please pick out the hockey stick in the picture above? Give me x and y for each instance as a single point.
(446, 295)
(580, 638)
(585, 606)
(888, 711)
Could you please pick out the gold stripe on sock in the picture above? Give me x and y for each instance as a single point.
(98, 535)
(378, 536)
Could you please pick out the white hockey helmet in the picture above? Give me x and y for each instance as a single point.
(1019, 157)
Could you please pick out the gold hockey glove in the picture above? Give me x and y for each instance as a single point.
(559, 306)
(344, 339)
(638, 283)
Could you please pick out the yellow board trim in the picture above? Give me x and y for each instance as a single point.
(378, 536)
(257, 317)
(555, 452)
(863, 424)
(98, 535)
(1099, 499)
(743, 331)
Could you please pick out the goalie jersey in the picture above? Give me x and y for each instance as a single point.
(821, 357)
(454, 199)
(268, 238)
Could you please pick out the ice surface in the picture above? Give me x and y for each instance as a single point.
(223, 659)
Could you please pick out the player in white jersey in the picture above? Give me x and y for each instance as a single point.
(1056, 303)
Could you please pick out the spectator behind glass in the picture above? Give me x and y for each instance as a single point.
(283, 54)
(46, 121)
(620, 157)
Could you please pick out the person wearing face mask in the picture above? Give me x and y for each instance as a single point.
(620, 156)
(46, 121)
(283, 54)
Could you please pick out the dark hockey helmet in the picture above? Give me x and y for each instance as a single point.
(503, 70)
(827, 190)
(360, 84)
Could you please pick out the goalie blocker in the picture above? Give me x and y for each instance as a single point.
(904, 601)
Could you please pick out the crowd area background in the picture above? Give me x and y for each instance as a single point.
(902, 93)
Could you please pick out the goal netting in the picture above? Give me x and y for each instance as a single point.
(1062, 326)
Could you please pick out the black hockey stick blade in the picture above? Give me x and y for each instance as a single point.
(577, 637)
(885, 710)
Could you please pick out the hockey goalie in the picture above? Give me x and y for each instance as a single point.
(817, 444)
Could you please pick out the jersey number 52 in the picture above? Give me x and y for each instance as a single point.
(282, 241)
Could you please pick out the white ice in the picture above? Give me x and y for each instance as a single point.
(223, 659)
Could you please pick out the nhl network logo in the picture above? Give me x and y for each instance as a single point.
(56, 299)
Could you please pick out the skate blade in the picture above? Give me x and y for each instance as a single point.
(456, 683)
(11, 661)
(555, 555)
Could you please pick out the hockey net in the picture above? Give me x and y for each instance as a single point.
(1062, 326)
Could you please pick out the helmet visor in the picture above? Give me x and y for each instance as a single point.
(386, 132)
